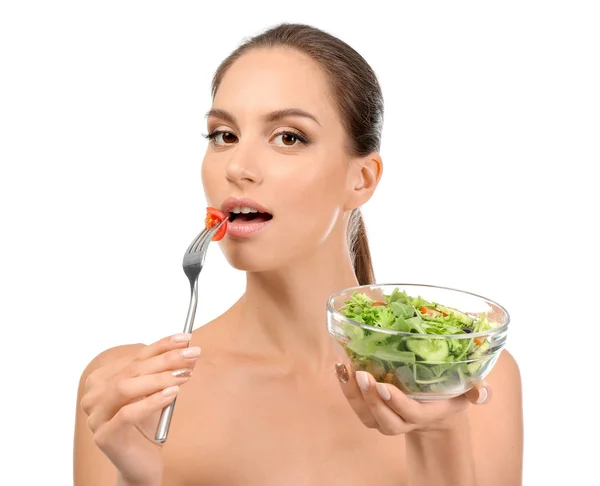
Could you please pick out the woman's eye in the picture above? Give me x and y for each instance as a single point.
(283, 139)
(223, 138)
(287, 139)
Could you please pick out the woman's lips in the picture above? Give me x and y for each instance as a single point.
(244, 229)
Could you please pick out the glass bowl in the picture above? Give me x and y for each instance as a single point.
(403, 352)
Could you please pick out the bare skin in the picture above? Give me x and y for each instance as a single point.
(264, 405)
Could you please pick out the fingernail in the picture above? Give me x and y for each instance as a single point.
(182, 338)
(192, 352)
(185, 373)
(342, 373)
(383, 391)
(363, 380)
(171, 391)
(483, 394)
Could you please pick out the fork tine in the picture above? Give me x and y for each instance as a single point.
(193, 243)
(204, 235)
(204, 238)
(204, 241)
(205, 244)
(197, 243)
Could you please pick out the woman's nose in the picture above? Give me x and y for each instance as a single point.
(242, 170)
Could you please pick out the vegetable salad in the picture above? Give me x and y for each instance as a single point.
(421, 361)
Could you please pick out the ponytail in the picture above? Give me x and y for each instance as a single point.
(359, 249)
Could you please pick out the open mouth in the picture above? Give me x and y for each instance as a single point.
(248, 215)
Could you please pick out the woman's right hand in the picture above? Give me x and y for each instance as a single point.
(124, 399)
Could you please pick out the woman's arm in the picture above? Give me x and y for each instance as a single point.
(449, 442)
(121, 395)
(497, 428)
(90, 466)
(482, 446)
(441, 457)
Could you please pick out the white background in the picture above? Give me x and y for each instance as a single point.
(491, 135)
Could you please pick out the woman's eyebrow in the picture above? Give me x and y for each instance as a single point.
(269, 117)
(279, 114)
(222, 114)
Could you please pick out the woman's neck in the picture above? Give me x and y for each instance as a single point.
(282, 313)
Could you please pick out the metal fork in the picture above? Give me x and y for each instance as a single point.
(193, 261)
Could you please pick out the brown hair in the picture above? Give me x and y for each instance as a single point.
(358, 97)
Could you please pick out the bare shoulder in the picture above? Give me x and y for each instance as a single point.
(112, 354)
(109, 356)
(506, 375)
(505, 382)
(508, 364)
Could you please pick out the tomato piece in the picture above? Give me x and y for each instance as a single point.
(479, 340)
(377, 303)
(216, 213)
(214, 217)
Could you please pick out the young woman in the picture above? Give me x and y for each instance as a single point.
(294, 131)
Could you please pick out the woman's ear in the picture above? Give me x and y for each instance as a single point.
(365, 174)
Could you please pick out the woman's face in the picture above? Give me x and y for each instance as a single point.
(277, 142)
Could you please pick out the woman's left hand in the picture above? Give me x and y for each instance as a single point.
(384, 407)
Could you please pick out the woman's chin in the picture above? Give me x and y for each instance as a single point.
(251, 266)
(267, 254)
(250, 261)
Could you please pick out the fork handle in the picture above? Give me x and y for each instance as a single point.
(164, 422)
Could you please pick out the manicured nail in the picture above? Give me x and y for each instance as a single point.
(383, 391)
(182, 338)
(192, 352)
(363, 380)
(171, 391)
(342, 373)
(185, 373)
(483, 394)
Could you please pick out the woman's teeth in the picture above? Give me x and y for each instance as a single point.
(243, 210)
